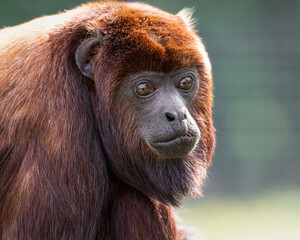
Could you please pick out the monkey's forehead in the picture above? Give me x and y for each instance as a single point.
(147, 35)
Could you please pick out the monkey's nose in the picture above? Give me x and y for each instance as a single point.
(173, 116)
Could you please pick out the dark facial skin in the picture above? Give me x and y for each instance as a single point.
(162, 102)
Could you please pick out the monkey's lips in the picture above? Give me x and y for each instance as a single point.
(175, 147)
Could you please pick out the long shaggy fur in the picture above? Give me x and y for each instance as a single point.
(72, 165)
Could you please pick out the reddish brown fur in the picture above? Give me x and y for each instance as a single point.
(63, 141)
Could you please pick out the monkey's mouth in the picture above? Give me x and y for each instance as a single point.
(175, 147)
(174, 140)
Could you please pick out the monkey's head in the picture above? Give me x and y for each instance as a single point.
(152, 98)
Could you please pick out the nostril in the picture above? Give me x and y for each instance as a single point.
(170, 117)
(184, 117)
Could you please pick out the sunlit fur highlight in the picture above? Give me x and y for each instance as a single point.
(187, 16)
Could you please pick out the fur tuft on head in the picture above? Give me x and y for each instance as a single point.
(186, 14)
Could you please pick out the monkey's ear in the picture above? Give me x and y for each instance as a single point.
(83, 55)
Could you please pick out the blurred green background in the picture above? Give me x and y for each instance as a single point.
(253, 187)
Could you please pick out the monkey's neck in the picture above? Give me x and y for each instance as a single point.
(134, 216)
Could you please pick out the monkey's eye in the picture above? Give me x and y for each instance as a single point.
(144, 89)
(186, 83)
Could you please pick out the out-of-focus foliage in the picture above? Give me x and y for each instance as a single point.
(269, 216)
(14, 12)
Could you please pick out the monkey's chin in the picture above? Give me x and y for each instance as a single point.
(178, 147)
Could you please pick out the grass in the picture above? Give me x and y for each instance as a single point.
(270, 216)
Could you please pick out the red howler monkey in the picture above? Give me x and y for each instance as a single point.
(105, 123)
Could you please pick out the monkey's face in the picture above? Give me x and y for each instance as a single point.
(161, 103)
